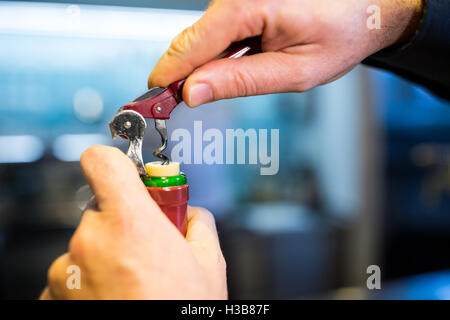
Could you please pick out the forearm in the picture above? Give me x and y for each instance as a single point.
(421, 54)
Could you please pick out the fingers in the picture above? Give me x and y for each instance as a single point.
(66, 280)
(223, 23)
(204, 242)
(201, 226)
(264, 73)
(115, 181)
(57, 277)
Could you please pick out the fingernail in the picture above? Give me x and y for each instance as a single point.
(199, 94)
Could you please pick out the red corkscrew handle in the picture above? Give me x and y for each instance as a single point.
(160, 104)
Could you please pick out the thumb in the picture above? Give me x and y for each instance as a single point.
(115, 181)
(264, 73)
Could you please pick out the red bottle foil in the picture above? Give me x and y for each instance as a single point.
(173, 202)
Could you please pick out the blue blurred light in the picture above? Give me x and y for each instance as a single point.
(93, 21)
(69, 147)
(20, 149)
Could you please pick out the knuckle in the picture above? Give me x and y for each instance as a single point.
(303, 80)
(207, 214)
(302, 86)
(244, 84)
(249, 22)
(56, 271)
(80, 244)
(183, 42)
(76, 247)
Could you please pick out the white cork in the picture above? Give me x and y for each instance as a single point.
(157, 169)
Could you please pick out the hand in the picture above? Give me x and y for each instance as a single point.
(127, 249)
(305, 43)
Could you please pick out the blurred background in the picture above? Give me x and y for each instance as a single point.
(364, 174)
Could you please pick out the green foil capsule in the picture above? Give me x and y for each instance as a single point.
(161, 182)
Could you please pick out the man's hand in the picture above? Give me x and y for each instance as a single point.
(305, 43)
(126, 248)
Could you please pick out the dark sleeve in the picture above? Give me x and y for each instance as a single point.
(426, 59)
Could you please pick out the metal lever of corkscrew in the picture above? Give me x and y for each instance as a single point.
(131, 125)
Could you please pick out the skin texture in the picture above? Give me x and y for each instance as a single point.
(305, 43)
(126, 248)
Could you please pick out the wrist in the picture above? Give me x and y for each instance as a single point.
(402, 20)
(414, 12)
